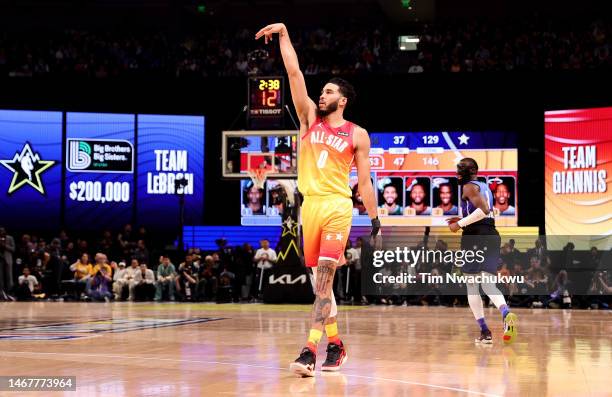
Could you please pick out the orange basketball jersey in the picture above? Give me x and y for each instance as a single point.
(325, 159)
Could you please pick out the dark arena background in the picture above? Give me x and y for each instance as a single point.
(150, 226)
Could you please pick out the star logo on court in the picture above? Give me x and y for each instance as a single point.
(463, 139)
(27, 168)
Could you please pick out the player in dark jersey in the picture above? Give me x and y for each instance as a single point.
(479, 233)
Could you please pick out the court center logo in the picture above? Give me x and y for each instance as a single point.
(99, 155)
(27, 167)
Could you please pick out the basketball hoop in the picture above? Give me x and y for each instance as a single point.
(259, 175)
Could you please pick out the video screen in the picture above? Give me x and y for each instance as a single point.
(503, 188)
(30, 168)
(272, 151)
(578, 168)
(445, 196)
(390, 195)
(414, 177)
(265, 206)
(418, 197)
(119, 168)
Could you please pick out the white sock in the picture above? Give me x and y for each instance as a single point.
(494, 294)
(475, 300)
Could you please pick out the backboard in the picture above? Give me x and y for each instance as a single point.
(271, 152)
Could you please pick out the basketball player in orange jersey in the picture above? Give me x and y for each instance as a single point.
(328, 146)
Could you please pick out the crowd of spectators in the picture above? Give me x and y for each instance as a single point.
(529, 45)
(34, 267)
(539, 279)
(467, 46)
(120, 267)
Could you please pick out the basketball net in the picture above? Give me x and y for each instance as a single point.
(259, 175)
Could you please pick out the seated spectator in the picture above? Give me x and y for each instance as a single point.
(106, 244)
(216, 263)
(119, 281)
(224, 290)
(51, 270)
(26, 285)
(560, 295)
(141, 252)
(189, 261)
(142, 287)
(166, 274)
(187, 281)
(130, 276)
(37, 271)
(101, 262)
(504, 272)
(71, 253)
(207, 280)
(126, 240)
(536, 281)
(540, 251)
(82, 272)
(99, 285)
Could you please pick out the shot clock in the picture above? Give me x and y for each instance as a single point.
(266, 101)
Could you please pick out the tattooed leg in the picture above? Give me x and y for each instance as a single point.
(323, 302)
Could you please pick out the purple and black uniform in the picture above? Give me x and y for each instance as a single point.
(481, 235)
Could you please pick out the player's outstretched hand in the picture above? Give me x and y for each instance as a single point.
(454, 227)
(376, 235)
(454, 219)
(269, 30)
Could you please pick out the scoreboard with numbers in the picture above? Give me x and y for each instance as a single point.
(414, 179)
(437, 151)
(266, 100)
(414, 175)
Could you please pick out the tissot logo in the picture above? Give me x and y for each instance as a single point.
(286, 279)
(27, 167)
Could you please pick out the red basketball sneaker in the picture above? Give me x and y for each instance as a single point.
(304, 365)
(336, 356)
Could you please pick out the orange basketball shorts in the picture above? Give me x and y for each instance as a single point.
(326, 224)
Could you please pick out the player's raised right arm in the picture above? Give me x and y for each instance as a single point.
(304, 106)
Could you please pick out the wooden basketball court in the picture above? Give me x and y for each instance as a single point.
(126, 349)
